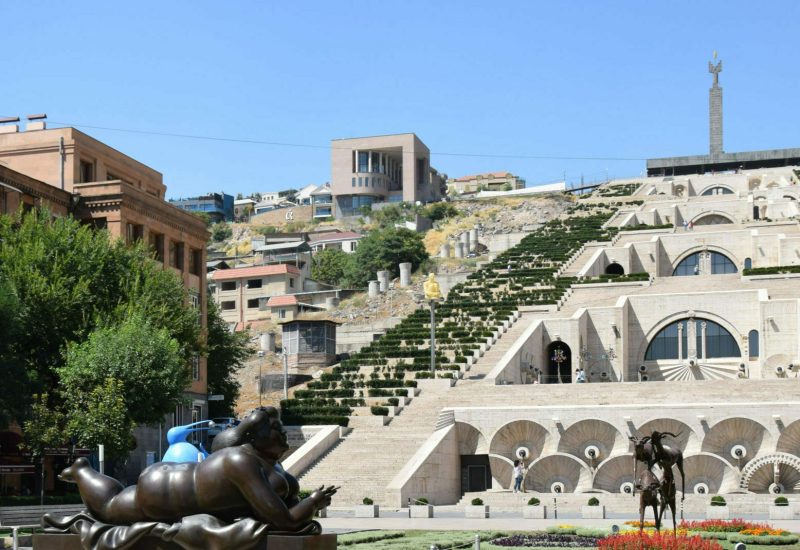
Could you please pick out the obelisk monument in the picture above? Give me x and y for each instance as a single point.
(715, 109)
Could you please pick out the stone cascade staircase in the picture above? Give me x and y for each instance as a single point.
(491, 358)
(578, 262)
(367, 459)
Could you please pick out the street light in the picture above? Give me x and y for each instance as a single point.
(433, 294)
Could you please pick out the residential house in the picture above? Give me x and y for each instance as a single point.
(492, 181)
(218, 206)
(346, 241)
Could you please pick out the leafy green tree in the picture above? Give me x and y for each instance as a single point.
(332, 266)
(144, 358)
(384, 250)
(227, 352)
(203, 216)
(104, 420)
(11, 401)
(221, 231)
(44, 427)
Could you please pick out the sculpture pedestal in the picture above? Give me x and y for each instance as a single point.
(275, 542)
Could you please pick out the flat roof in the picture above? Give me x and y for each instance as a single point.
(744, 156)
(378, 136)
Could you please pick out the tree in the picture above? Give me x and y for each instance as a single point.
(11, 401)
(45, 426)
(145, 359)
(331, 266)
(221, 231)
(384, 250)
(203, 216)
(440, 211)
(227, 352)
(104, 420)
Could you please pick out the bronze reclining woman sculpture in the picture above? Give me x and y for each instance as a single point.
(241, 478)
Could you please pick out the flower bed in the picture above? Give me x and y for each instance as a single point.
(545, 540)
(656, 541)
(722, 525)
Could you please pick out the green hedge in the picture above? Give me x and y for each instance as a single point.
(763, 539)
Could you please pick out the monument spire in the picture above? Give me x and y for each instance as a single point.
(715, 109)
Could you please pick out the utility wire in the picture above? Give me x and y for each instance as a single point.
(329, 147)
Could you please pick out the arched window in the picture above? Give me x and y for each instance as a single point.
(717, 190)
(720, 264)
(693, 264)
(748, 263)
(712, 219)
(710, 341)
(752, 343)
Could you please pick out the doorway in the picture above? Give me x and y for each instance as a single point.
(615, 269)
(559, 364)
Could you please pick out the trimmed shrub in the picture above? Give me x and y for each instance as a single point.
(379, 411)
(718, 501)
(477, 502)
(787, 539)
(368, 501)
(781, 501)
(534, 501)
(593, 502)
(422, 501)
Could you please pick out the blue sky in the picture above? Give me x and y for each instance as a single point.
(607, 80)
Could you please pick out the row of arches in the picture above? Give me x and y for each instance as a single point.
(593, 455)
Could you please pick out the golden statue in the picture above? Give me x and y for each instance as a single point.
(431, 287)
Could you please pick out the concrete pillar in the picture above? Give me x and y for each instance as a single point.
(465, 243)
(268, 341)
(374, 289)
(331, 303)
(444, 251)
(405, 274)
(383, 280)
(473, 239)
(459, 249)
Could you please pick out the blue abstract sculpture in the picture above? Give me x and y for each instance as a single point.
(179, 449)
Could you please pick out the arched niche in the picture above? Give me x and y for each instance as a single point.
(558, 470)
(737, 440)
(615, 474)
(519, 434)
(686, 439)
(470, 440)
(584, 434)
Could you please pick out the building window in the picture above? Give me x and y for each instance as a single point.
(177, 255)
(196, 415)
(672, 341)
(228, 285)
(363, 161)
(134, 232)
(157, 244)
(718, 190)
(253, 304)
(195, 261)
(375, 163)
(228, 305)
(366, 182)
(254, 283)
(87, 171)
(748, 263)
(282, 314)
(291, 283)
(354, 182)
(353, 246)
(752, 344)
(196, 367)
(359, 182)
(718, 263)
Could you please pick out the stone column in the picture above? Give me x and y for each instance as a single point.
(703, 340)
(374, 289)
(405, 274)
(473, 239)
(268, 341)
(465, 243)
(691, 337)
(444, 251)
(383, 280)
(459, 249)
(680, 341)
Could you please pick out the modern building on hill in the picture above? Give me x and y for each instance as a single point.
(392, 168)
(218, 206)
(492, 181)
(243, 208)
(346, 241)
(322, 202)
(72, 173)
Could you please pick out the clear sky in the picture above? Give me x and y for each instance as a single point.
(487, 86)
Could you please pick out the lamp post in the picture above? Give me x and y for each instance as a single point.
(433, 294)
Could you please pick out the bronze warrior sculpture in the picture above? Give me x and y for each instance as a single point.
(239, 487)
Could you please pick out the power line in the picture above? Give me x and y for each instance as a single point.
(329, 147)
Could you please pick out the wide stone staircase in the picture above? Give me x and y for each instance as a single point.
(491, 358)
(367, 459)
